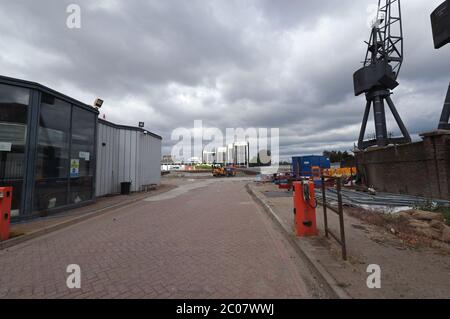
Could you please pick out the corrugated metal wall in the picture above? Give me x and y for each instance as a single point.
(125, 155)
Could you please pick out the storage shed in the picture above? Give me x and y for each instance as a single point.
(126, 154)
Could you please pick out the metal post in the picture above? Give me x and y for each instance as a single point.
(351, 176)
(341, 217)
(398, 118)
(324, 205)
(380, 120)
(445, 117)
(31, 155)
(364, 125)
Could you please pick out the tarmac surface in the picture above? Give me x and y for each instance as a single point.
(206, 239)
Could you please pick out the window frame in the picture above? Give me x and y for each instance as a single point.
(26, 160)
(33, 113)
(68, 179)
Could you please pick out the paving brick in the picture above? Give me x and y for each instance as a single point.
(213, 242)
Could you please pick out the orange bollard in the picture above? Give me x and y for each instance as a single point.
(5, 212)
(305, 204)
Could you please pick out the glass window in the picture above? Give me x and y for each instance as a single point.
(50, 193)
(13, 132)
(52, 163)
(82, 155)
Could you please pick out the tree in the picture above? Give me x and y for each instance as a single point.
(263, 158)
(339, 156)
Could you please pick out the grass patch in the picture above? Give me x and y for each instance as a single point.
(203, 167)
(446, 212)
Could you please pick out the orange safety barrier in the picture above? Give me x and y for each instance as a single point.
(341, 172)
(5, 212)
(305, 205)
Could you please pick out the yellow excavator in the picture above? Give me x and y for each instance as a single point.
(220, 170)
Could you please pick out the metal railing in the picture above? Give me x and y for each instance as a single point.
(339, 211)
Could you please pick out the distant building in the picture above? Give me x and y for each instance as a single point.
(230, 154)
(221, 155)
(167, 159)
(209, 157)
(241, 153)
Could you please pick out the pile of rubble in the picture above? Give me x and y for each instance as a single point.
(428, 224)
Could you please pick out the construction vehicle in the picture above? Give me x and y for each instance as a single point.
(220, 170)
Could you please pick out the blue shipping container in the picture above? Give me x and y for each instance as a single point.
(302, 165)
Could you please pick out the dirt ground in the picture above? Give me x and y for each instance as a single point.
(408, 271)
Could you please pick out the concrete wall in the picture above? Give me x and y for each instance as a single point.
(126, 155)
(421, 168)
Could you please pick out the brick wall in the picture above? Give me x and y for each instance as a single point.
(421, 168)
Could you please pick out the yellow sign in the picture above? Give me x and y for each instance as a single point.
(74, 168)
(341, 172)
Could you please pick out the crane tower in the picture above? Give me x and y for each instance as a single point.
(378, 77)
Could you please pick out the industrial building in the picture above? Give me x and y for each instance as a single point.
(53, 151)
(126, 154)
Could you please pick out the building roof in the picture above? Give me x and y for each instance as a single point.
(45, 89)
(129, 128)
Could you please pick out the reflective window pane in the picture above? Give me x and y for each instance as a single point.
(13, 132)
(49, 194)
(53, 138)
(81, 189)
(82, 155)
(52, 162)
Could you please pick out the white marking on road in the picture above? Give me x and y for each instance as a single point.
(181, 190)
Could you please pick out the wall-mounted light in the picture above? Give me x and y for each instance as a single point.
(98, 103)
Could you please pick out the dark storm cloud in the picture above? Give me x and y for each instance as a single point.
(291, 13)
(230, 63)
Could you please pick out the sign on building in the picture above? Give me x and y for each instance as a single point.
(5, 147)
(74, 168)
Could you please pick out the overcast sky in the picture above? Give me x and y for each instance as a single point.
(284, 64)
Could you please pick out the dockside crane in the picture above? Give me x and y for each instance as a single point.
(440, 22)
(378, 77)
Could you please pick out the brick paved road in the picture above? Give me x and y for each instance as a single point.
(210, 242)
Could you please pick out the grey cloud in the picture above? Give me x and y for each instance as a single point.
(257, 63)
